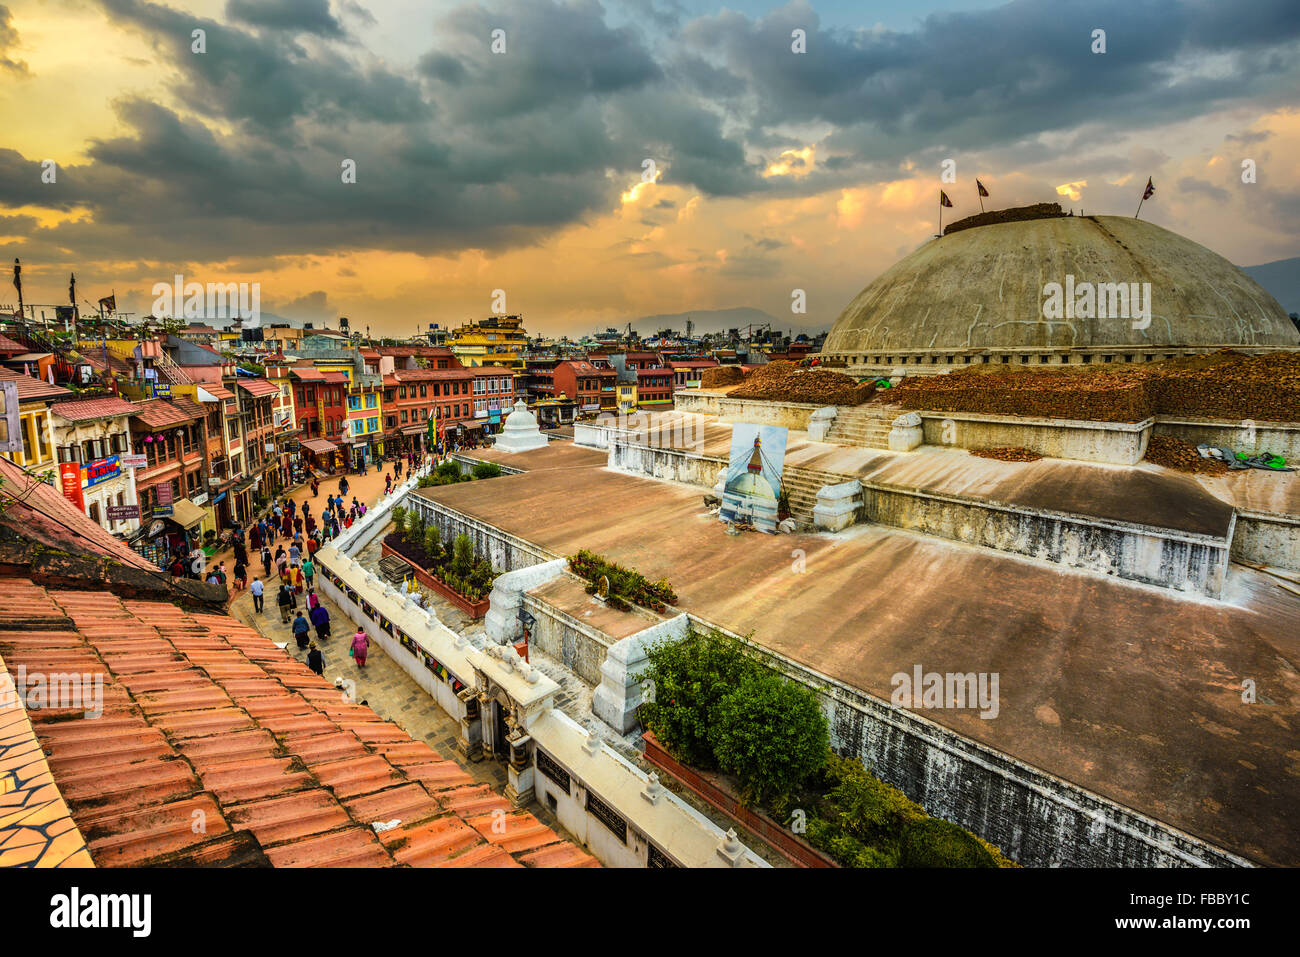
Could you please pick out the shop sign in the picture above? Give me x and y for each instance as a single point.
(133, 461)
(101, 471)
(123, 513)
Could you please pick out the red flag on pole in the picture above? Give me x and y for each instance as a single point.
(980, 187)
(1151, 188)
(944, 200)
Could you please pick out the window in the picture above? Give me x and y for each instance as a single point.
(94, 512)
(424, 390)
(311, 393)
(372, 424)
(372, 401)
(403, 417)
(232, 429)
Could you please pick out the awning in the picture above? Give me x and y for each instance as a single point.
(415, 428)
(214, 393)
(186, 514)
(257, 387)
(319, 445)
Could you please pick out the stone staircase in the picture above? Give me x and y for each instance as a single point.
(864, 426)
(803, 486)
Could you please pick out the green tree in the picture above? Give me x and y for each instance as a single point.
(399, 521)
(462, 562)
(771, 734)
(486, 470)
(432, 540)
(415, 530)
(690, 678)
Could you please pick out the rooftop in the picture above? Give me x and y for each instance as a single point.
(86, 410)
(31, 388)
(1125, 690)
(162, 413)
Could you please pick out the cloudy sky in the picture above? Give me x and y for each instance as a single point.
(524, 170)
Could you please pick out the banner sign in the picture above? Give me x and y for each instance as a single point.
(123, 513)
(162, 390)
(101, 471)
(165, 494)
(70, 481)
(133, 461)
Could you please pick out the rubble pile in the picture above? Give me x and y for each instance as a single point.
(783, 381)
(1220, 385)
(1007, 454)
(1016, 214)
(720, 376)
(1175, 453)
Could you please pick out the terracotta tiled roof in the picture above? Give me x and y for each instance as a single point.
(425, 375)
(334, 378)
(84, 410)
(257, 387)
(162, 413)
(205, 720)
(30, 388)
(40, 513)
(221, 392)
(309, 374)
(492, 370)
(10, 347)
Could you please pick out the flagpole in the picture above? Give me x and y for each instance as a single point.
(980, 195)
(1139, 209)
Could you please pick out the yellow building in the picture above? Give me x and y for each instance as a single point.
(34, 425)
(626, 392)
(495, 341)
(365, 426)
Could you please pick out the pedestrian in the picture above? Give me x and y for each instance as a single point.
(300, 629)
(315, 660)
(312, 601)
(257, 588)
(297, 524)
(221, 573)
(295, 578)
(281, 563)
(241, 576)
(320, 617)
(360, 647)
(315, 487)
(283, 599)
(266, 560)
(313, 543)
(308, 570)
(388, 484)
(343, 487)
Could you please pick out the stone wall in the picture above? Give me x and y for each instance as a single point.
(792, 415)
(1261, 538)
(1033, 817)
(1280, 438)
(577, 646)
(1111, 443)
(1190, 563)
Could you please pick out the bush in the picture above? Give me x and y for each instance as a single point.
(486, 470)
(624, 583)
(771, 734)
(415, 531)
(432, 540)
(691, 677)
(937, 843)
(449, 471)
(462, 562)
(399, 521)
(865, 807)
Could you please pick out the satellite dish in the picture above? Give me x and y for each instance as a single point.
(602, 587)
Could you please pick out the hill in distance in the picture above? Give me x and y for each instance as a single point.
(1281, 279)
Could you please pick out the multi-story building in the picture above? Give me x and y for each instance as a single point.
(654, 389)
(419, 357)
(90, 436)
(364, 431)
(259, 473)
(442, 395)
(592, 387)
(35, 396)
(172, 485)
(494, 341)
(494, 396)
(687, 372)
(321, 405)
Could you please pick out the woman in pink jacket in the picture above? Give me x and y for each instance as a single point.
(360, 645)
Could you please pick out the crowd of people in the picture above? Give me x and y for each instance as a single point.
(284, 542)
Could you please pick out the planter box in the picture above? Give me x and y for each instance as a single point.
(717, 793)
(475, 609)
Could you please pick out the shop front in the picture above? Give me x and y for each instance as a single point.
(172, 529)
(320, 454)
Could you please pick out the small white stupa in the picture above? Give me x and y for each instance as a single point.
(520, 433)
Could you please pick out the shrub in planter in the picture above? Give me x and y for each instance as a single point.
(863, 806)
(462, 562)
(938, 843)
(770, 733)
(485, 470)
(415, 532)
(399, 522)
(432, 540)
(691, 677)
(448, 471)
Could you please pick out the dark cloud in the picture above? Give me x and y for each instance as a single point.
(1190, 184)
(295, 16)
(471, 149)
(9, 41)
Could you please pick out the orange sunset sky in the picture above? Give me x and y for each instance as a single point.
(522, 170)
